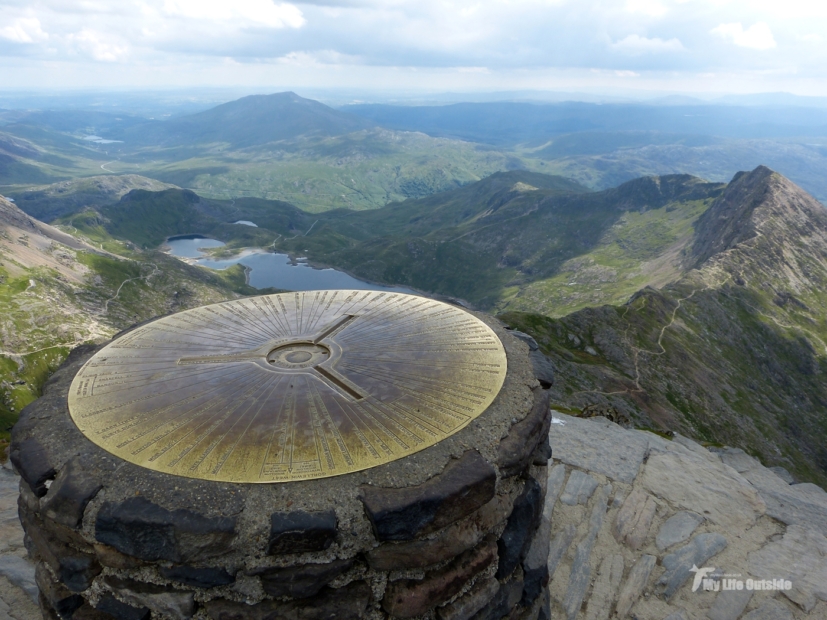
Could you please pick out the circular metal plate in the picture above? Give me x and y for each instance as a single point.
(289, 387)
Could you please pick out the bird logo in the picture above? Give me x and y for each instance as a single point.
(700, 575)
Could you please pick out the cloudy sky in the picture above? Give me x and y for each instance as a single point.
(683, 46)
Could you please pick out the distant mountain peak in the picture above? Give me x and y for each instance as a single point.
(758, 203)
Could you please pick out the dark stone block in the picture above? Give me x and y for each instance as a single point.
(60, 598)
(516, 448)
(545, 607)
(403, 514)
(446, 544)
(108, 604)
(543, 369)
(144, 530)
(519, 530)
(66, 535)
(300, 532)
(506, 599)
(535, 581)
(46, 609)
(162, 600)
(87, 612)
(209, 577)
(300, 581)
(346, 603)
(34, 464)
(542, 455)
(69, 494)
(74, 569)
(407, 598)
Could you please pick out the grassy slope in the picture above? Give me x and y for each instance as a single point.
(505, 243)
(43, 316)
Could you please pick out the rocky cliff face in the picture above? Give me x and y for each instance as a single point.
(735, 351)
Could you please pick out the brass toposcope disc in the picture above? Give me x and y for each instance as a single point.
(289, 387)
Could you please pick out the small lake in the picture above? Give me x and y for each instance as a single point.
(273, 270)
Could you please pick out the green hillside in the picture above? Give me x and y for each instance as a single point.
(54, 297)
(732, 353)
(515, 240)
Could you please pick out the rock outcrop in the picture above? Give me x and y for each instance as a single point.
(635, 519)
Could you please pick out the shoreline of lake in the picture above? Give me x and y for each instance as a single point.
(323, 274)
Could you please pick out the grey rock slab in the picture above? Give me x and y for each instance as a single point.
(554, 484)
(713, 490)
(561, 543)
(679, 564)
(804, 504)
(631, 527)
(771, 610)
(599, 446)
(782, 473)
(16, 604)
(695, 447)
(799, 556)
(605, 588)
(677, 528)
(729, 604)
(739, 460)
(579, 488)
(20, 573)
(635, 582)
(678, 615)
(580, 577)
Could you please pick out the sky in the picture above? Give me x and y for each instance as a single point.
(664, 46)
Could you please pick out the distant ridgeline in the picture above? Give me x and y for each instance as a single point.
(681, 304)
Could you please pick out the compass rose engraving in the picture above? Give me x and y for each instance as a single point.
(289, 387)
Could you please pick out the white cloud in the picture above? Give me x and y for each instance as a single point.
(94, 44)
(636, 44)
(758, 36)
(625, 74)
(318, 59)
(647, 7)
(24, 30)
(260, 12)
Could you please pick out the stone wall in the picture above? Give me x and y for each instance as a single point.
(451, 532)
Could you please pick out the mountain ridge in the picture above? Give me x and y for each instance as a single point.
(249, 121)
(734, 351)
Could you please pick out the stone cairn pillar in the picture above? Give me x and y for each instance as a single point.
(149, 502)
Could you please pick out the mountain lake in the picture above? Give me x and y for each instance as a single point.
(268, 269)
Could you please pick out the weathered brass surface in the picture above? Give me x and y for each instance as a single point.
(289, 387)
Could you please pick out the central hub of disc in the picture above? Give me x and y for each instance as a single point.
(298, 355)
